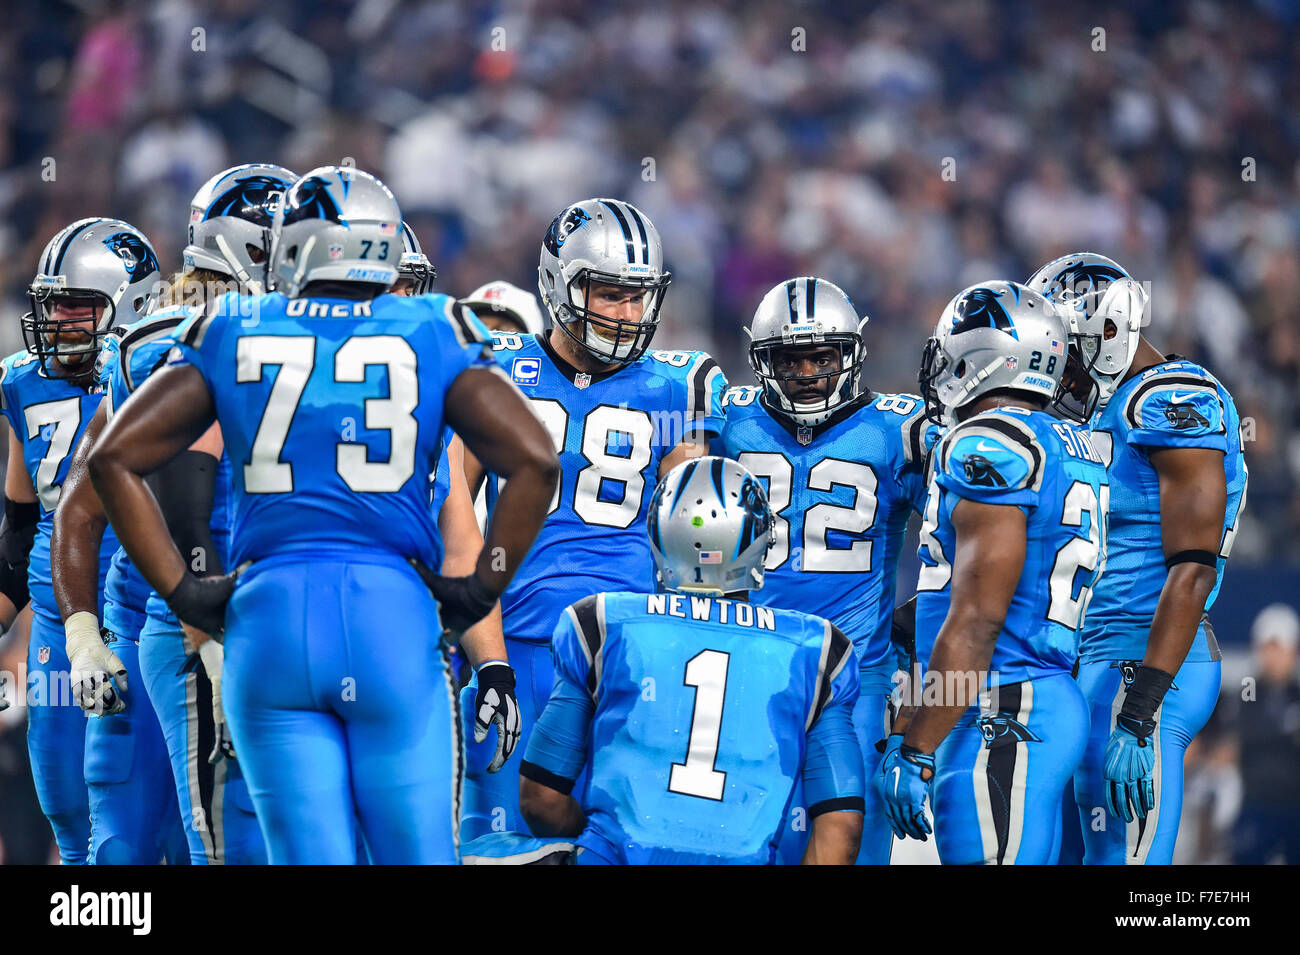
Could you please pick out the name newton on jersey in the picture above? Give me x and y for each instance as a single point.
(716, 609)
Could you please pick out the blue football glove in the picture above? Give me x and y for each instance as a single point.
(889, 745)
(903, 790)
(1129, 769)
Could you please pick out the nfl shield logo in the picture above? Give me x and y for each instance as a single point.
(43, 655)
(336, 251)
(582, 380)
(804, 435)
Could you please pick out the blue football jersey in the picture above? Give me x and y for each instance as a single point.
(702, 714)
(1049, 469)
(49, 416)
(439, 488)
(611, 431)
(1176, 404)
(842, 493)
(332, 414)
(144, 350)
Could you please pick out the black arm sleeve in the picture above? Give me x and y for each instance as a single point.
(16, 538)
(185, 488)
(902, 630)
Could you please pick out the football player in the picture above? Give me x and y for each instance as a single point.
(1012, 541)
(177, 735)
(694, 709)
(1148, 660)
(95, 274)
(844, 469)
(415, 273)
(332, 407)
(620, 416)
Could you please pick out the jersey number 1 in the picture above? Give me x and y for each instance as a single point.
(707, 672)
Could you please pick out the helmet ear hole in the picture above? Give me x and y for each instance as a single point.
(960, 370)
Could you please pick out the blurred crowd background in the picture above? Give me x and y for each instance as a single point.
(901, 149)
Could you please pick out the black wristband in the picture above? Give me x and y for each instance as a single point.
(1146, 693)
(1208, 558)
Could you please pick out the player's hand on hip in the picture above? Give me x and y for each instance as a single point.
(903, 784)
(213, 655)
(1129, 769)
(462, 601)
(495, 705)
(97, 675)
(201, 601)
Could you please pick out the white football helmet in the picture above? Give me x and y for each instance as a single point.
(415, 265)
(993, 336)
(336, 224)
(509, 300)
(802, 312)
(107, 262)
(1089, 290)
(230, 223)
(710, 527)
(609, 242)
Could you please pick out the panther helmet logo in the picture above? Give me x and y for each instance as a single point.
(137, 257)
(981, 472)
(310, 199)
(254, 198)
(563, 226)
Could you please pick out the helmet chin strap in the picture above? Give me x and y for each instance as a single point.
(240, 273)
(962, 396)
(303, 255)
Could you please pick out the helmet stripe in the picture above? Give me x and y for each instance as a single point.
(715, 472)
(789, 297)
(645, 240)
(810, 296)
(63, 250)
(627, 230)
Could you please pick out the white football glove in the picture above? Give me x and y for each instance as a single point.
(495, 703)
(98, 676)
(213, 656)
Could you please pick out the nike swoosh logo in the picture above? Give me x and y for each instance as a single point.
(1175, 398)
(986, 448)
(898, 775)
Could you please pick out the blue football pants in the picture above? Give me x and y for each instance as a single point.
(56, 741)
(1185, 709)
(342, 709)
(215, 810)
(1001, 773)
(492, 799)
(134, 819)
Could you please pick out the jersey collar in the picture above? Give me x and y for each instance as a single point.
(567, 370)
(811, 433)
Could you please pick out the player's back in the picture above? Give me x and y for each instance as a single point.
(701, 714)
(611, 431)
(842, 493)
(332, 414)
(1049, 469)
(1176, 404)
